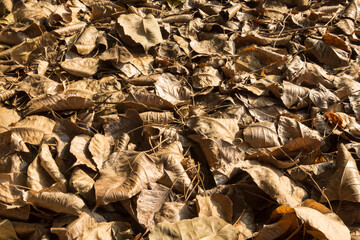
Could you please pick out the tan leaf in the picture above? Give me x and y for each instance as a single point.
(344, 184)
(326, 225)
(174, 173)
(77, 228)
(206, 77)
(59, 102)
(217, 205)
(8, 116)
(261, 135)
(223, 128)
(130, 177)
(82, 183)
(173, 212)
(299, 173)
(107, 231)
(298, 149)
(79, 148)
(49, 164)
(221, 156)
(273, 182)
(32, 128)
(81, 67)
(87, 41)
(21, 213)
(323, 97)
(99, 148)
(10, 193)
(149, 201)
(37, 178)
(157, 118)
(144, 31)
(58, 202)
(118, 54)
(211, 227)
(292, 95)
(7, 230)
(328, 54)
(254, 58)
(290, 128)
(142, 101)
(171, 89)
(22, 53)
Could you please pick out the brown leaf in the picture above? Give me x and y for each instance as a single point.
(223, 128)
(87, 41)
(107, 231)
(136, 30)
(130, 177)
(174, 173)
(273, 182)
(58, 202)
(221, 156)
(213, 227)
(60, 102)
(81, 67)
(33, 128)
(206, 77)
(328, 54)
(168, 87)
(99, 148)
(290, 128)
(344, 184)
(7, 230)
(217, 205)
(79, 148)
(82, 183)
(261, 135)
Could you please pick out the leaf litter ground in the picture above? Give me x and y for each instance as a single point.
(179, 119)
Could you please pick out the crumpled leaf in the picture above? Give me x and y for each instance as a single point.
(217, 205)
(80, 149)
(99, 148)
(7, 230)
(130, 176)
(81, 67)
(223, 128)
(261, 135)
(60, 102)
(172, 90)
(273, 182)
(82, 183)
(136, 30)
(33, 128)
(211, 227)
(221, 156)
(327, 53)
(58, 202)
(344, 184)
(206, 77)
(175, 175)
(107, 231)
(87, 41)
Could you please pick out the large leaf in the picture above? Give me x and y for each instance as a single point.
(144, 31)
(211, 228)
(131, 176)
(344, 184)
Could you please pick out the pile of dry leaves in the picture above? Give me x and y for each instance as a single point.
(179, 119)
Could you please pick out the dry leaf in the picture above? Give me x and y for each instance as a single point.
(58, 202)
(261, 135)
(131, 176)
(211, 227)
(144, 31)
(216, 205)
(344, 184)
